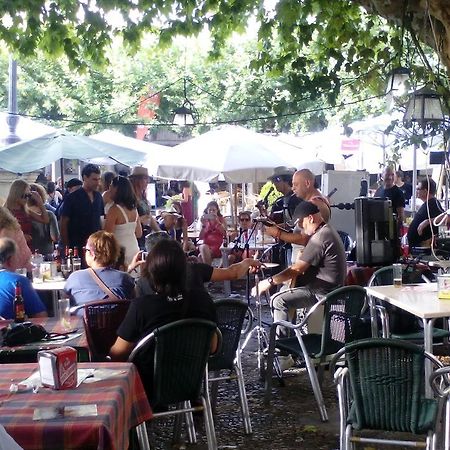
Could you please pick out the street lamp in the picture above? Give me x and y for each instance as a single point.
(397, 79)
(12, 118)
(424, 106)
(185, 115)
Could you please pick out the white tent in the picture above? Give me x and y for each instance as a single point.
(116, 138)
(33, 154)
(236, 153)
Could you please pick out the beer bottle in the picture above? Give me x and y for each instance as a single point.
(70, 260)
(19, 306)
(57, 258)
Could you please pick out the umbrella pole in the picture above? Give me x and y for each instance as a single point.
(61, 169)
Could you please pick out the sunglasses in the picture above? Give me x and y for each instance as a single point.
(244, 219)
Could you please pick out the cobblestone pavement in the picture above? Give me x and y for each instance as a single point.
(291, 421)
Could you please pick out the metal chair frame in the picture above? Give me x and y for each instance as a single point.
(229, 358)
(183, 409)
(311, 361)
(345, 397)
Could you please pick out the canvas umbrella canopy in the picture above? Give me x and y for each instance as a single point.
(116, 138)
(237, 154)
(33, 154)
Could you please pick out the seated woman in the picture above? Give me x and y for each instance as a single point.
(165, 269)
(101, 281)
(239, 239)
(214, 229)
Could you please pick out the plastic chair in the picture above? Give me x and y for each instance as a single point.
(341, 324)
(384, 277)
(230, 318)
(382, 388)
(101, 320)
(172, 362)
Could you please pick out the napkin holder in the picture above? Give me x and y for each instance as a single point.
(58, 368)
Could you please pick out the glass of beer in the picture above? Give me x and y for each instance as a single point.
(397, 274)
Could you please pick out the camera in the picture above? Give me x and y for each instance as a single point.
(144, 256)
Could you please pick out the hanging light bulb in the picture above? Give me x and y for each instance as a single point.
(184, 115)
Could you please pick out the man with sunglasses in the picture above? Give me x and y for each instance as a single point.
(241, 238)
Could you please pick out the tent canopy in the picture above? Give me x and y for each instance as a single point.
(33, 154)
(236, 153)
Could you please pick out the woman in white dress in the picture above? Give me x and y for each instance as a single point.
(122, 218)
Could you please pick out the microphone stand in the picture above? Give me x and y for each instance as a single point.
(247, 255)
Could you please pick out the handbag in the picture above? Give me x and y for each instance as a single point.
(23, 333)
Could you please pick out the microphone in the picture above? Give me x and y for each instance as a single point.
(332, 192)
(264, 200)
(347, 206)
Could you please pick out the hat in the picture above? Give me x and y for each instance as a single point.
(305, 209)
(73, 182)
(172, 211)
(153, 238)
(282, 171)
(139, 171)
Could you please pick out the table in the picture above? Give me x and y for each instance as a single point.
(420, 300)
(55, 286)
(119, 397)
(28, 352)
(227, 250)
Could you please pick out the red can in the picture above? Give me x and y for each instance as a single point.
(58, 368)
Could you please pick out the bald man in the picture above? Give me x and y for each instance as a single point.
(303, 185)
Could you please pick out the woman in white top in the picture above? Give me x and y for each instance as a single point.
(122, 218)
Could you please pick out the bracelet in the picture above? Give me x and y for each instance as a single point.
(271, 282)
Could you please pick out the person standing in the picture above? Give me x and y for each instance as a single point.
(393, 193)
(139, 181)
(18, 202)
(405, 187)
(82, 209)
(419, 231)
(122, 218)
(187, 202)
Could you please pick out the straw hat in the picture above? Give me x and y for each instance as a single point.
(170, 211)
(139, 171)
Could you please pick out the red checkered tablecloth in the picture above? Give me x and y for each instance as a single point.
(121, 405)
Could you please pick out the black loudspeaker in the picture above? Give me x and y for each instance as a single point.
(437, 157)
(376, 236)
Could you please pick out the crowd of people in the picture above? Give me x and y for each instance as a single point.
(127, 253)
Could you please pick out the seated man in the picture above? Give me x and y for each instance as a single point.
(239, 239)
(419, 231)
(8, 278)
(320, 269)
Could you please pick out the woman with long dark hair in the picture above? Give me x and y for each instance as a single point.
(173, 300)
(122, 218)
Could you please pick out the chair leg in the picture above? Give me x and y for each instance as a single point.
(189, 418)
(243, 399)
(142, 436)
(209, 424)
(177, 425)
(348, 435)
(214, 391)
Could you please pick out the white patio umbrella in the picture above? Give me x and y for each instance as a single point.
(238, 154)
(116, 138)
(26, 156)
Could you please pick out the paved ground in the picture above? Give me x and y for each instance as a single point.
(290, 422)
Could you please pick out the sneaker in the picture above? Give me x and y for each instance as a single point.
(286, 362)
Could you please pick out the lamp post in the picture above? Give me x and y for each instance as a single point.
(12, 119)
(424, 106)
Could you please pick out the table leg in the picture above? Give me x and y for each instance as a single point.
(141, 430)
(428, 344)
(55, 297)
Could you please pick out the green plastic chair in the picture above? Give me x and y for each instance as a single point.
(342, 323)
(382, 388)
(172, 362)
(384, 277)
(226, 363)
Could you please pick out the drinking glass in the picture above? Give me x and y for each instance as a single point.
(397, 274)
(64, 313)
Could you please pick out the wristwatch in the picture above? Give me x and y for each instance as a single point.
(271, 282)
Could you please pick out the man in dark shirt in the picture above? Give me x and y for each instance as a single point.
(392, 192)
(82, 210)
(419, 232)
